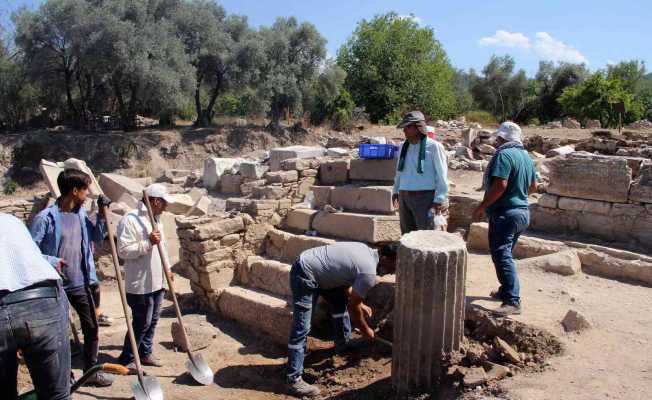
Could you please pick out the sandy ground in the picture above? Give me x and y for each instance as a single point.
(609, 361)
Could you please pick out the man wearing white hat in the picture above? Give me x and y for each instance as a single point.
(145, 283)
(508, 180)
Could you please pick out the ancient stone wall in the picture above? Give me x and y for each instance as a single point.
(23, 209)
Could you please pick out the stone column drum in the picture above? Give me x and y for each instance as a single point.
(428, 308)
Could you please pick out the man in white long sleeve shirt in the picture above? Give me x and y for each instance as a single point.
(145, 282)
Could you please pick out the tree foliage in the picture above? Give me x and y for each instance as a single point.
(393, 65)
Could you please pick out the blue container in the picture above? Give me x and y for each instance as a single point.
(377, 151)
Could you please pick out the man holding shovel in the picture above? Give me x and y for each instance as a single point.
(145, 283)
(65, 234)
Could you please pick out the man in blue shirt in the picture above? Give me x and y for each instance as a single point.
(421, 183)
(509, 179)
(33, 316)
(65, 233)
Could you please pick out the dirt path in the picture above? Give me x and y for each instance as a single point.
(610, 361)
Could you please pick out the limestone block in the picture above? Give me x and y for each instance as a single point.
(230, 184)
(597, 225)
(309, 173)
(553, 220)
(247, 188)
(270, 192)
(631, 268)
(264, 314)
(460, 210)
(588, 176)
(590, 206)
(322, 195)
(627, 210)
(641, 190)
(548, 201)
(305, 184)
(334, 172)
(560, 151)
(114, 186)
(526, 247)
(468, 136)
(287, 247)
(358, 227)
(282, 176)
(370, 198)
(230, 240)
(337, 152)
(217, 279)
(429, 307)
(283, 153)
(200, 335)
(269, 275)
(299, 219)
(215, 167)
(565, 262)
(373, 170)
(642, 232)
(217, 229)
(252, 170)
(299, 164)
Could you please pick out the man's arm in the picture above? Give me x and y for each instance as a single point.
(440, 160)
(357, 310)
(38, 231)
(131, 242)
(496, 190)
(397, 186)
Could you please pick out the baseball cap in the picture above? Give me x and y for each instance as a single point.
(160, 191)
(413, 117)
(509, 131)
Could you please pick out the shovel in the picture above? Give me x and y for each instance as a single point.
(195, 364)
(147, 387)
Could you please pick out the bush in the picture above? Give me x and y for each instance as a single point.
(10, 187)
(534, 121)
(481, 117)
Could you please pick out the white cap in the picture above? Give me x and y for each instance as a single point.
(509, 131)
(160, 191)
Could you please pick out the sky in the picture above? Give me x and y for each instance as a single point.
(597, 32)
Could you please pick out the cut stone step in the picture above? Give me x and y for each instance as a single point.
(265, 314)
(269, 275)
(372, 170)
(286, 247)
(354, 198)
(346, 225)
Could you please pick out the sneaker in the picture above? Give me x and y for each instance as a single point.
(150, 361)
(351, 345)
(495, 294)
(507, 309)
(100, 379)
(301, 388)
(132, 368)
(104, 320)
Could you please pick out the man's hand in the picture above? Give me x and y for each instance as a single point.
(171, 276)
(439, 207)
(479, 213)
(60, 265)
(368, 333)
(155, 237)
(366, 311)
(395, 201)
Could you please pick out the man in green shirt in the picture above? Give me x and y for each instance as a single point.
(509, 178)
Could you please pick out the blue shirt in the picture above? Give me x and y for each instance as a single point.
(435, 171)
(47, 231)
(21, 262)
(516, 167)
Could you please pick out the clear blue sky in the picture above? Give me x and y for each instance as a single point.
(598, 31)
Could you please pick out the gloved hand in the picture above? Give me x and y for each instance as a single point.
(103, 201)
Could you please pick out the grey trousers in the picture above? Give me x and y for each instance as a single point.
(413, 210)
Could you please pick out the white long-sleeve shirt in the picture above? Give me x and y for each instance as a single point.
(142, 263)
(435, 171)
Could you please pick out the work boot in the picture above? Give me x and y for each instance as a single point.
(495, 294)
(100, 379)
(150, 361)
(301, 388)
(104, 320)
(507, 309)
(351, 345)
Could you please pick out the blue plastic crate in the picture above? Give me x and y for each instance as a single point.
(377, 151)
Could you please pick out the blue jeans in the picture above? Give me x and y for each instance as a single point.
(145, 311)
(505, 227)
(305, 293)
(39, 328)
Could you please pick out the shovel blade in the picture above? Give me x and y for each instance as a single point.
(147, 389)
(199, 370)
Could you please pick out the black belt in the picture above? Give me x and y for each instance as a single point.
(416, 192)
(29, 294)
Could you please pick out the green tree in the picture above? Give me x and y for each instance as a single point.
(293, 53)
(18, 97)
(551, 80)
(593, 99)
(329, 99)
(392, 65)
(630, 73)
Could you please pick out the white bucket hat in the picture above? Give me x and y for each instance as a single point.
(509, 131)
(160, 191)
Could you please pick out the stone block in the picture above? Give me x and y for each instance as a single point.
(215, 167)
(358, 227)
(629, 267)
(266, 315)
(282, 176)
(468, 136)
(627, 210)
(373, 170)
(574, 322)
(364, 199)
(230, 184)
(597, 225)
(252, 170)
(429, 307)
(564, 263)
(641, 190)
(184, 203)
(247, 188)
(460, 210)
(584, 175)
(172, 244)
(560, 151)
(216, 280)
(286, 247)
(200, 335)
(269, 275)
(305, 185)
(270, 192)
(548, 201)
(337, 152)
(334, 172)
(218, 229)
(300, 219)
(283, 153)
(553, 220)
(589, 206)
(322, 195)
(526, 247)
(114, 186)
